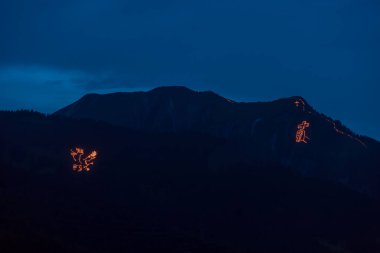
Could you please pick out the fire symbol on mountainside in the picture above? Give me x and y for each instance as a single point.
(82, 162)
(300, 103)
(301, 132)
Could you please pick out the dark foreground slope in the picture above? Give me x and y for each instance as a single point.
(164, 193)
(261, 131)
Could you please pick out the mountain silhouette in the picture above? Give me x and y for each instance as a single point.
(177, 170)
(257, 131)
(167, 192)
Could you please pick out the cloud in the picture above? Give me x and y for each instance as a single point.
(45, 89)
(245, 50)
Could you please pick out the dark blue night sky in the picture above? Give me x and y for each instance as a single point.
(328, 51)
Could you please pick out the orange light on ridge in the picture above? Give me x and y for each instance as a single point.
(345, 134)
(81, 163)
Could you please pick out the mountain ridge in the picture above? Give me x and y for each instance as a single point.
(272, 130)
(182, 90)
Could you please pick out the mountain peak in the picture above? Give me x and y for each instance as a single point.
(161, 90)
(185, 90)
(175, 88)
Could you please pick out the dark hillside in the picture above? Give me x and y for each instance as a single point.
(164, 192)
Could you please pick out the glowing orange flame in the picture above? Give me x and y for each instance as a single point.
(301, 132)
(300, 103)
(80, 163)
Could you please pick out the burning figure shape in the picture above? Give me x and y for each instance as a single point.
(301, 132)
(81, 163)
